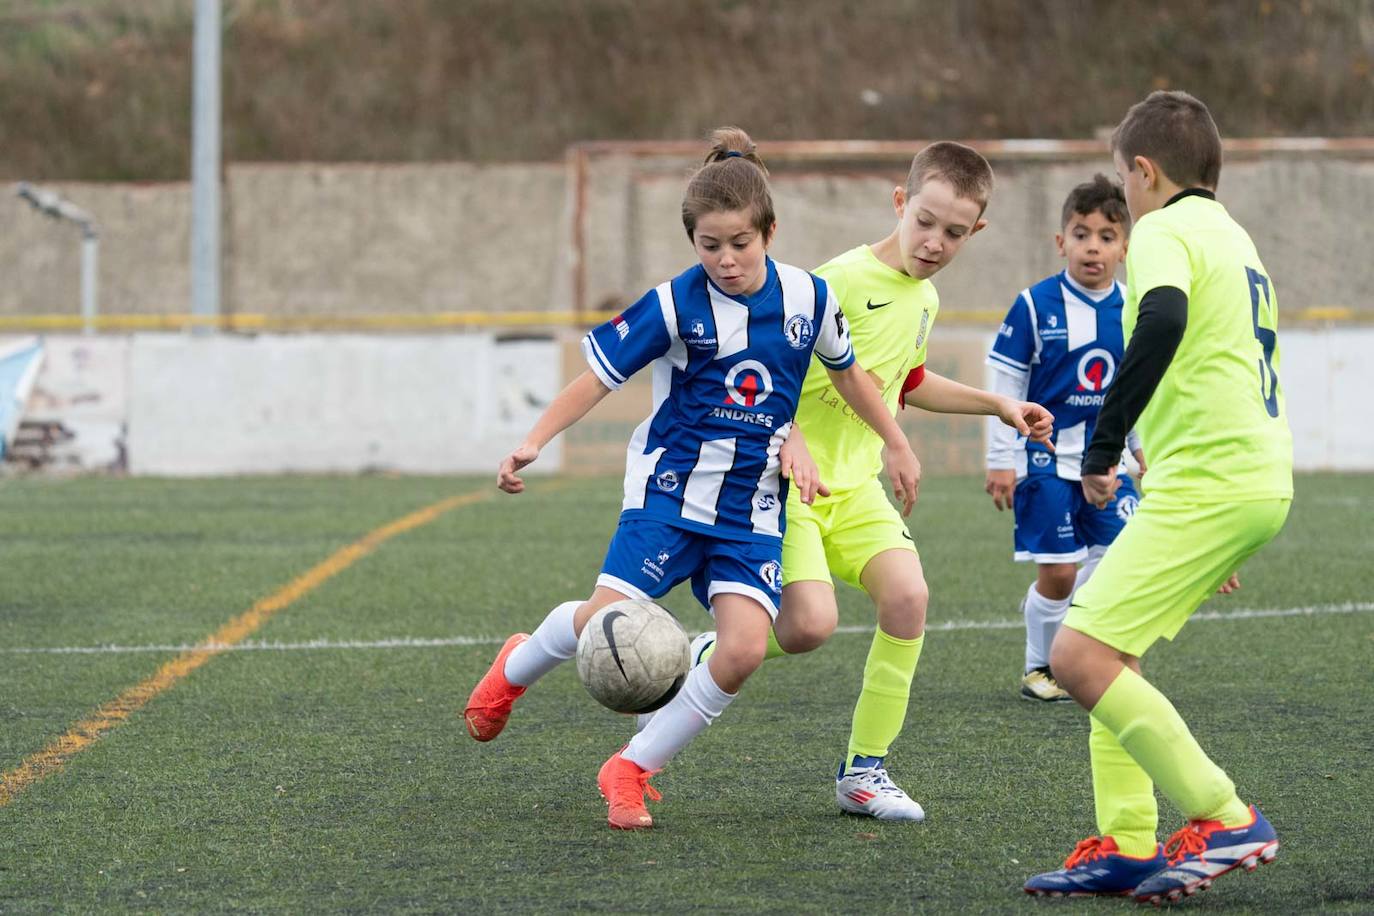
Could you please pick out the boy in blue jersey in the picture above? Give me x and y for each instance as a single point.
(1060, 346)
(730, 341)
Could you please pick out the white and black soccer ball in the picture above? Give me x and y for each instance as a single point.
(633, 656)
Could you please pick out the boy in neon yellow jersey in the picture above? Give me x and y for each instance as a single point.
(1200, 375)
(886, 295)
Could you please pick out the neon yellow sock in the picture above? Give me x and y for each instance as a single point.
(1124, 795)
(773, 651)
(881, 710)
(1153, 733)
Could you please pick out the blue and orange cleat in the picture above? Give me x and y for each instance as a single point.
(490, 704)
(1205, 850)
(624, 783)
(1096, 868)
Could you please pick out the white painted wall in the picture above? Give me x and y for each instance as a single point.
(218, 404)
(203, 405)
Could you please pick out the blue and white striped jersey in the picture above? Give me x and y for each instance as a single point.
(1063, 344)
(728, 372)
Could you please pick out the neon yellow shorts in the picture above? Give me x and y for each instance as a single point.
(1165, 563)
(840, 534)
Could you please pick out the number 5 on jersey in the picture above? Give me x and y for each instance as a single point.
(1262, 309)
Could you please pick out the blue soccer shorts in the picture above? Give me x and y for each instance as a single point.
(1055, 524)
(647, 558)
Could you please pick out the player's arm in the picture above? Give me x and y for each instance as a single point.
(1000, 482)
(797, 465)
(1159, 330)
(903, 470)
(571, 405)
(1137, 451)
(944, 395)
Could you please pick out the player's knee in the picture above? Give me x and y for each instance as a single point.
(904, 606)
(806, 632)
(1055, 580)
(740, 659)
(1064, 661)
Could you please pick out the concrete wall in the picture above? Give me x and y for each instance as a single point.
(369, 239)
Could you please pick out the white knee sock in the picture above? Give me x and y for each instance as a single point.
(1086, 570)
(553, 643)
(1043, 617)
(696, 706)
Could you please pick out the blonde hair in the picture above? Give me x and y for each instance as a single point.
(733, 178)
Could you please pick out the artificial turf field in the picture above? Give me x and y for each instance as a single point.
(323, 768)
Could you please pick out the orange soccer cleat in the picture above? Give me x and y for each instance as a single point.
(623, 783)
(491, 701)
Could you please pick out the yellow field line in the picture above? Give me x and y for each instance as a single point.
(86, 732)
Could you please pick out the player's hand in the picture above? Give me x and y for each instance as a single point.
(1229, 585)
(904, 471)
(1099, 489)
(1000, 485)
(506, 478)
(1029, 419)
(797, 465)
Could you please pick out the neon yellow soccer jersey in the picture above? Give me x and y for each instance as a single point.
(890, 315)
(1215, 429)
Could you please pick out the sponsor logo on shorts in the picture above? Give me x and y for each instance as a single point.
(766, 502)
(1040, 459)
(771, 573)
(1125, 507)
(667, 481)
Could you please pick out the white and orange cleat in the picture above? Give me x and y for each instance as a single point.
(624, 783)
(490, 704)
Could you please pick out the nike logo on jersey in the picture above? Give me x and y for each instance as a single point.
(878, 305)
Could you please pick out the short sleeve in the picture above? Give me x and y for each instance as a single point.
(832, 343)
(628, 342)
(1157, 258)
(1014, 347)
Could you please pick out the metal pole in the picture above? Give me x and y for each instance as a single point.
(90, 277)
(205, 163)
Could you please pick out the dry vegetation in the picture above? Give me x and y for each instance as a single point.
(101, 89)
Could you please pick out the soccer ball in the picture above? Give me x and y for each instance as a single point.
(633, 656)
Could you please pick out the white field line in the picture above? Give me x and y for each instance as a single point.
(407, 642)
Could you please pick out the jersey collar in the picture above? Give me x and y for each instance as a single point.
(1191, 192)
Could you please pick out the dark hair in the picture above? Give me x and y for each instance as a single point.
(1101, 195)
(1177, 132)
(733, 178)
(962, 166)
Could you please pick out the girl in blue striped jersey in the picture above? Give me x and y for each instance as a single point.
(729, 341)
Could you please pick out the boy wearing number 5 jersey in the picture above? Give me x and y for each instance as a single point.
(1200, 381)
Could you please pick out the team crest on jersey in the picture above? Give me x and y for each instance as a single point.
(667, 481)
(1096, 369)
(1125, 507)
(748, 383)
(925, 326)
(1052, 321)
(771, 573)
(798, 332)
(698, 328)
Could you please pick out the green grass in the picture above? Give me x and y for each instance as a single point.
(340, 780)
